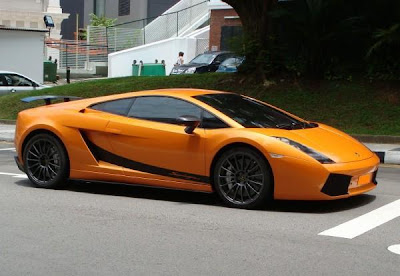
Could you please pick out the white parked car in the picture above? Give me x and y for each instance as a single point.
(11, 82)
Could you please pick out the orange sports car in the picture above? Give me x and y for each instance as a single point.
(245, 150)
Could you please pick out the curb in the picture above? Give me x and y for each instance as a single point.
(7, 122)
(389, 157)
(378, 139)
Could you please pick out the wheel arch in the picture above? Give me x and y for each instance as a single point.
(236, 145)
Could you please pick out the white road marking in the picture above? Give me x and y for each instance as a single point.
(15, 175)
(364, 223)
(395, 249)
(8, 149)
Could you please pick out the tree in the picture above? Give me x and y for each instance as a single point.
(254, 15)
(101, 21)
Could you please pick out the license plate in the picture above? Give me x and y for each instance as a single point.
(365, 179)
(359, 181)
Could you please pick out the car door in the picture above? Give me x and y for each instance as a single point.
(12, 83)
(149, 143)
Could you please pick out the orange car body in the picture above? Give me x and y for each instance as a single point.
(163, 155)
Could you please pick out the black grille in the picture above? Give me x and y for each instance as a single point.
(337, 184)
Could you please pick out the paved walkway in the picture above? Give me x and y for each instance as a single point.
(388, 153)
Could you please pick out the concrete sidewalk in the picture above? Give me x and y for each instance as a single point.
(388, 153)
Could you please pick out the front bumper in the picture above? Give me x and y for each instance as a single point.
(297, 179)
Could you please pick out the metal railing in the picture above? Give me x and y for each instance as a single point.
(76, 54)
(139, 32)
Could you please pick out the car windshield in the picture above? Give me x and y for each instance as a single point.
(235, 61)
(203, 59)
(250, 113)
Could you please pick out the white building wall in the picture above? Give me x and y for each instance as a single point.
(22, 52)
(29, 14)
(120, 63)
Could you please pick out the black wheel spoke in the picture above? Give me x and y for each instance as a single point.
(43, 161)
(227, 170)
(240, 178)
(231, 165)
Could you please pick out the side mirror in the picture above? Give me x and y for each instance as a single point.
(34, 84)
(191, 122)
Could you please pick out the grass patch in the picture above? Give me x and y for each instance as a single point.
(356, 107)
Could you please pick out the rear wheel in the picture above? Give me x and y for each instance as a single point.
(242, 178)
(46, 162)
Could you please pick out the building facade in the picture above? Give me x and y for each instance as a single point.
(126, 10)
(29, 14)
(224, 25)
(15, 43)
(76, 10)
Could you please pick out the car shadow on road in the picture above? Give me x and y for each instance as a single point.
(188, 197)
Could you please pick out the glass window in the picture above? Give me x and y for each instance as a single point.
(203, 59)
(211, 122)
(124, 7)
(235, 61)
(16, 80)
(250, 113)
(3, 80)
(100, 7)
(222, 57)
(118, 107)
(162, 109)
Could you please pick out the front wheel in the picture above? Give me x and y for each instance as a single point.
(46, 162)
(242, 178)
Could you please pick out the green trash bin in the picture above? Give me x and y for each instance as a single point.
(148, 69)
(50, 71)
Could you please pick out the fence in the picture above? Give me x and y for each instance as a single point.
(76, 54)
(136, 33)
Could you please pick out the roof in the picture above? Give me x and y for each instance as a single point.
(23, 29)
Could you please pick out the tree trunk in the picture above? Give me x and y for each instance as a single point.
(255, 21)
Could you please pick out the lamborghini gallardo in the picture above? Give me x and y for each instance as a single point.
(247, 151)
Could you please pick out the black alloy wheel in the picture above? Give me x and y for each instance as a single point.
(243, 179)
(46, 162)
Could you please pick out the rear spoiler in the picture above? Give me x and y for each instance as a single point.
(47, 99)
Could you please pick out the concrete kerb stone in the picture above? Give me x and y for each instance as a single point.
(388, 153)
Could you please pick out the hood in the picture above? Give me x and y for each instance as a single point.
(331, 142)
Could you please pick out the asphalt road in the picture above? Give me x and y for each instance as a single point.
(98, 229)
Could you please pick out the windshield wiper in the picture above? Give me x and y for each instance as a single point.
(297, 125)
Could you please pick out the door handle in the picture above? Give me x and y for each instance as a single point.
(13, 90)
(113, 130)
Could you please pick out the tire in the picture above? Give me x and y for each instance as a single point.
(243, 178)
(46, 162)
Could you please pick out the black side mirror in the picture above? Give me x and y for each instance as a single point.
(34, 84)
(191, 122)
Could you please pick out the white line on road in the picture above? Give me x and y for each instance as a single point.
(16, 175)
(8, 149)
(364, 223)
(394, 249)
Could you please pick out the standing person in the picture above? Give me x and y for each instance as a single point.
(180, 60)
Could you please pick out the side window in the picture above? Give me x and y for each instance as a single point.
(212, 122)
(3, 80)
(16, 80)
(162, 109)
(221, 58)
(118, 107)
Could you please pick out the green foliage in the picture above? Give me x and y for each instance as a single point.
(101, 21)
(333, 39)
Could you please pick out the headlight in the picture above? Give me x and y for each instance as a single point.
(314, 154)
(190, 70)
